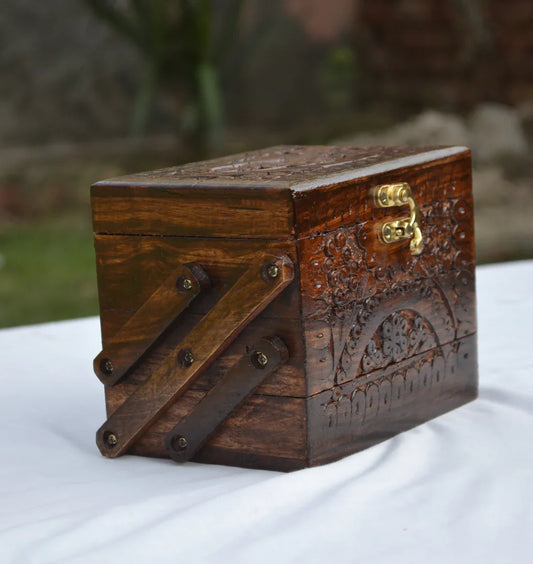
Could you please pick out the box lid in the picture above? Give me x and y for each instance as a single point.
(245, 195)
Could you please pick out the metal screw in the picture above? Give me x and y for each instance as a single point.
(185, 358)
(404, 195)
(387, 232)
(179, 443)
(107, 366)
(272, 270)
(383, 197)
(261, 358)
(111, 439)
(184, 283)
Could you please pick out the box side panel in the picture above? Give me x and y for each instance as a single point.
(193, 211)
(267, 431)
(368, 306)
(129, 269)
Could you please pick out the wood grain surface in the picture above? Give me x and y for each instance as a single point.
(390, 400)
(250, 294)
(242, 379)
(142, 329)
(379, 340)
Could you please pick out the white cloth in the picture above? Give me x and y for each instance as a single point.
(457, 489)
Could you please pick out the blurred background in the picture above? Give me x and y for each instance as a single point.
(91, 89)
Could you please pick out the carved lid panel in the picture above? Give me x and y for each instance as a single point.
(298, 167)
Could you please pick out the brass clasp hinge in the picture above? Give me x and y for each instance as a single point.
(394, 195)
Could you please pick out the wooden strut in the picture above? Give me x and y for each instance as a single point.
(134, 338)
(260, 284)
(242, 379)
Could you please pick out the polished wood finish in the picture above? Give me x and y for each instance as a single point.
(235, 213)
(249, 195)
(142, 329)
(130, 269)
(370, 409)
(379, 340)
(250, 294)
(243, 378)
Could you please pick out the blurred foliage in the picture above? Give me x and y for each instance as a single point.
(44, 274)
(47, 261)
(248, 64)
(337, 78)
(184, 43)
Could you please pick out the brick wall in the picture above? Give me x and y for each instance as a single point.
(448, 52)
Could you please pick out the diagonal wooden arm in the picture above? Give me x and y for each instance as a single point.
(265, 279)
(241, 380)
(153, 317)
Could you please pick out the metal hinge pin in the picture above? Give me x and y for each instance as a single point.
(261, 359)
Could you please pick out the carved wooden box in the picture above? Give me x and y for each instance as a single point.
(285, 307)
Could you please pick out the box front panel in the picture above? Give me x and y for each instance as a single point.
(375, 315)
(375, 407)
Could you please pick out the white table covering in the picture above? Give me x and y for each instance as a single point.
(457, 489)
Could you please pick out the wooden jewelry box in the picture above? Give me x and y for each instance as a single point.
(286, 307)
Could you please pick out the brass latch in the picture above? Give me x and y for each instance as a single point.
(393, 195)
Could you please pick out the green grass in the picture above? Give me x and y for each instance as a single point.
(47, 270)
